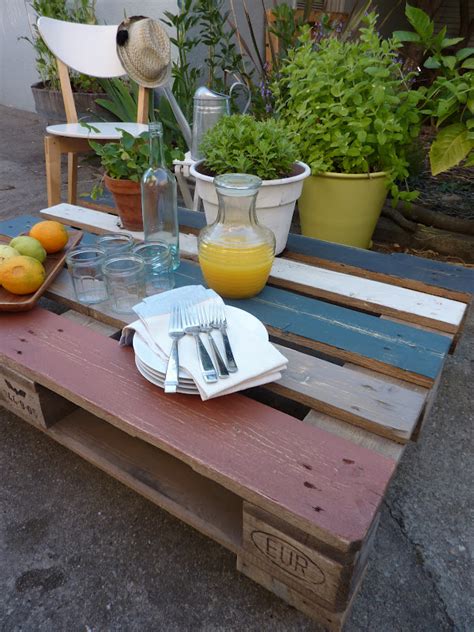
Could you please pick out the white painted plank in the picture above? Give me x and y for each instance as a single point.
(99, 223)
(395, 298)
(390, 299)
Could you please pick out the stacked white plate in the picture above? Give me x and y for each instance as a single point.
(153, 367)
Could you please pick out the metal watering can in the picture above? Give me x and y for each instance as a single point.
(209, 107)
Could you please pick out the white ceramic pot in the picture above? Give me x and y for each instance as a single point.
(276, 200)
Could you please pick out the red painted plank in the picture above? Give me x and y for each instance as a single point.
(320, 482)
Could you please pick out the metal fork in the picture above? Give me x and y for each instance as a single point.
(175, 331)
(219, 321)
(191, 326)
(206, 328)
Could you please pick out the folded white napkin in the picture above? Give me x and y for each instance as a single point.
(258, 361)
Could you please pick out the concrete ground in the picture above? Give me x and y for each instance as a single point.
(80, 552)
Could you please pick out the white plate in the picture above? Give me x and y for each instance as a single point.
(161, 376)
(185, 390)
(237, 318)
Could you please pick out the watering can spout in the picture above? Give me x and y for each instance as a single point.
(178, 113)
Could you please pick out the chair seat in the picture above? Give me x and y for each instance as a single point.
(107, 131)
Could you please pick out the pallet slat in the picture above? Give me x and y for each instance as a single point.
(307, 465)
(413, 306)
(380, 406)
(101, 223)
(357, 435)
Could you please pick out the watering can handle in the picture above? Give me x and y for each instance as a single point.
(249, 96)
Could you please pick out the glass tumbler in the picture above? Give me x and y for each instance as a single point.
(85, 266)
(115, 244)
(125, 280)
(159, 275)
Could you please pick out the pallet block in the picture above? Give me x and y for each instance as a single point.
(30, 401)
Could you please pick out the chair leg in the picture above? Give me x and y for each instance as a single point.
(52, 154)
(72, 178)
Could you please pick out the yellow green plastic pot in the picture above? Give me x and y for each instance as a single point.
(341, 207)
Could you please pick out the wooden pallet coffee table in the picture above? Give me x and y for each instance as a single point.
(289, 477)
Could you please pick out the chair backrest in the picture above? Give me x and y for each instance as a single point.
(89, 49)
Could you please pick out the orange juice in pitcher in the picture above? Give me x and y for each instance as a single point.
(236, 253)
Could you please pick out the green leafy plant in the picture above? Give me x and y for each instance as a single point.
(124, 160)
(349, 107)
(185, 76)
(449, 100)
(81, 11)
(241, 144)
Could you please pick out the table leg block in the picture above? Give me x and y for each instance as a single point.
(30, 401)
(298, 568)
(330, 620)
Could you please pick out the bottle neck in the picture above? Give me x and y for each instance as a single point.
(156, 146)
(238, 209)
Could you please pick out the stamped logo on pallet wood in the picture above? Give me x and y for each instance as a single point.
(18, 400)
(287, 557)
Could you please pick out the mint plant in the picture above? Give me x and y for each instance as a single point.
(449, 100)
(241, 144)
(349, 107)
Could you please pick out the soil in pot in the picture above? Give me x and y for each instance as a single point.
(128, 200)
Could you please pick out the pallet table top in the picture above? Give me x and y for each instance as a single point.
(366, 336)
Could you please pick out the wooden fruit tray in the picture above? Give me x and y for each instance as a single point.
(53, 265)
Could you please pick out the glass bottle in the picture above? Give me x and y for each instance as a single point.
(159, 197)
(236, 252)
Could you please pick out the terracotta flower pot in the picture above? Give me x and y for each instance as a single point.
(128, 200)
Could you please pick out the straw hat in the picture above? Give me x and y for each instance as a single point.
(143, 47)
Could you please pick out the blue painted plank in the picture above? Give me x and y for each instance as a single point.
(406, 348)
(399, 265)
(16, 225)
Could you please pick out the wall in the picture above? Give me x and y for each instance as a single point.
(17, 59)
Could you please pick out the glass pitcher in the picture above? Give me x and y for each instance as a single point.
(236, 252)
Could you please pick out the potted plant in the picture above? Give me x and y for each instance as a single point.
(124, 163)
(354, 118)
(47, 92)
(240, 144)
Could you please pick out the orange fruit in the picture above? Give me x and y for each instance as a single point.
(52, 235)
(22, 274)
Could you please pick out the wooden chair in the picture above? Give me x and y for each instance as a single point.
(91, 50)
